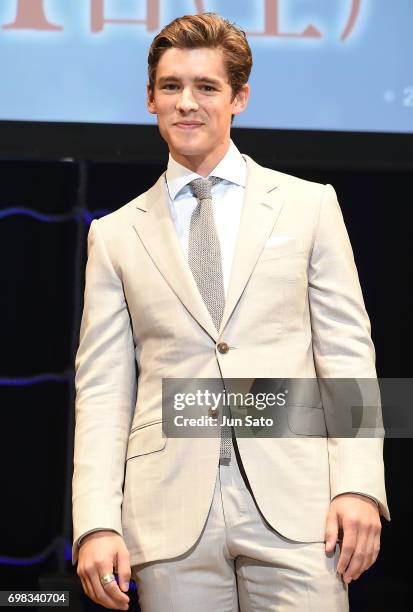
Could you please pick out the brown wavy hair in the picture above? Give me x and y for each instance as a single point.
(205, 30)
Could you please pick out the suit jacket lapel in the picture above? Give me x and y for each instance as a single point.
(154, 225)
(262, 205)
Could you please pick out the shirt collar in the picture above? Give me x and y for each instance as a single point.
(232, 168)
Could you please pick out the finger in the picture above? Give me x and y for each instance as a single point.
(86, 583)
(373, 547)
(331, 532)
(88, 588)
(359, 556)
(113, 591)
(124, 570)
(368, 562)
(347, 547)
(376, 546)
(109, 595)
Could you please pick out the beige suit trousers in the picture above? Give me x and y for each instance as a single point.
(240, 563)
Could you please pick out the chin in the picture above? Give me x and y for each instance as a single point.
(187, 148)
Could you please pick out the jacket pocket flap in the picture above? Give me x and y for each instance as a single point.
(147, 439)
(307, 420)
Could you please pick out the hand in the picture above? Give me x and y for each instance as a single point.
(358, 519)
(100, 553)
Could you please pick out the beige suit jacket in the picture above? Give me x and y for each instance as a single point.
(294, 308)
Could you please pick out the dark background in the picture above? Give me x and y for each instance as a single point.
(42, 276)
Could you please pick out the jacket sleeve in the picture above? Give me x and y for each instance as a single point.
(105, 382)
(343, 348)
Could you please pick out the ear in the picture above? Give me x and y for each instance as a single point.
(241, 99)
(150, 100)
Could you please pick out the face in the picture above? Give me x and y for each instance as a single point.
(194, 102)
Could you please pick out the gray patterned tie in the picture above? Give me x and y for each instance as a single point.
(204, 259)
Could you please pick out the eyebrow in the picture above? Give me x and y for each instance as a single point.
(199, 79)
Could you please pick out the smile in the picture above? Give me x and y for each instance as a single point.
(188, 126)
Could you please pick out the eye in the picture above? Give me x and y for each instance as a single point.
(169, 86)
(208, 87)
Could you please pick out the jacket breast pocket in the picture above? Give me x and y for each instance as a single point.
(278, 246)
(282, 263)
(277, 252)
(146, 439)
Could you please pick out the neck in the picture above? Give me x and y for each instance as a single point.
(201, 164)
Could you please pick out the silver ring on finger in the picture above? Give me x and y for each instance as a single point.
(106, 579)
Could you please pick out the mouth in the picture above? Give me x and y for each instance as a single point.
(187, 125)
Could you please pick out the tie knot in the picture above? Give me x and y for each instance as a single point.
(201, 188)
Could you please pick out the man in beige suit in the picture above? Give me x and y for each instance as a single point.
(246, 275)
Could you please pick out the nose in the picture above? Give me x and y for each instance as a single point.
(186, 101)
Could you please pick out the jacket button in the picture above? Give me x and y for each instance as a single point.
(213, 412)
(223, 347)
